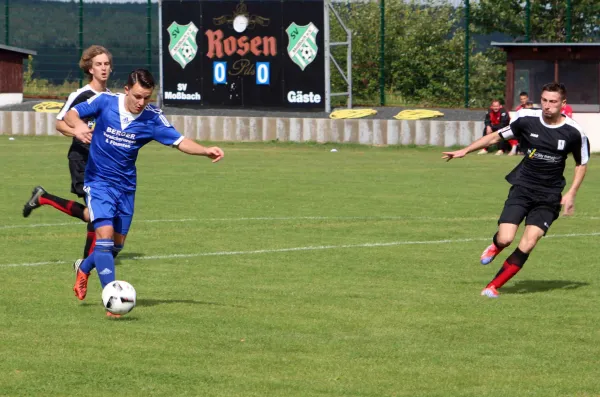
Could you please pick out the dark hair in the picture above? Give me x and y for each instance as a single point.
(556, 87)
(523, 93)
(85, 63)
(142, 77)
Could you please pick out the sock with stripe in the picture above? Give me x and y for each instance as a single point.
(105, 263)
(69, 207)
(513, 264)
(116, 249)
(90, 241)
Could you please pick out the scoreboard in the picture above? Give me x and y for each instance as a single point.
(243, 53)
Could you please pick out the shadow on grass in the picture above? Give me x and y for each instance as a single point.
(154, 302)
(532, 286)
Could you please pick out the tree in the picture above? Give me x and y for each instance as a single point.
(548, 19)
(424, 55)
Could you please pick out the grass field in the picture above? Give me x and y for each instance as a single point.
(288, 270)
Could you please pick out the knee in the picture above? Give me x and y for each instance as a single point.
(504, 239)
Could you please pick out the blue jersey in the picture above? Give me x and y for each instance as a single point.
(118, 136)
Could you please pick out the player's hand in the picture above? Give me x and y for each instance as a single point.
(215, 153)
(83, 133)
(568, 203)
(457, 154)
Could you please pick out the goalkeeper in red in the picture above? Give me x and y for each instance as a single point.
(547, 137)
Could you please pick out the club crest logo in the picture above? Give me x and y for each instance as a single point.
(302, 47)
(182, 46)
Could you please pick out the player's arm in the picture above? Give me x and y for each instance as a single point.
(511, 131)
(60, 125)
(73, 118)
(79, 127)
(581, 154)
(63, 128)
(479, 144)
(167, 135)
(189, 146)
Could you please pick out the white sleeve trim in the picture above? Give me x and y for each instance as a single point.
(178, 141)
(67, 105)
(506, 133)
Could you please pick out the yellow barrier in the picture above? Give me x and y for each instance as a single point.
(352, 113)
(48, 107)
(417, 114)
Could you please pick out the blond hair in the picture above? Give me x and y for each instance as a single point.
(85, 63)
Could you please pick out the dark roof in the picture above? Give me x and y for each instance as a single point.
(497, 44)
(15, 49)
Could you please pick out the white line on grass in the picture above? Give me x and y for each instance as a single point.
(283, 218)
(308, 248)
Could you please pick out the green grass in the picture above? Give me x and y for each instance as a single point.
(238, 313)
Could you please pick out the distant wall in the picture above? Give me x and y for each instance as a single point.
(363, 131)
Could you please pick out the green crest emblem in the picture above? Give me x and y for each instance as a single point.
(302, 47)
(182, 46)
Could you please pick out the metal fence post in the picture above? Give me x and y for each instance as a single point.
(527, 21)
(569, 11)
(467, 50)
(149, 35)
(80, 40)
(382, 53)
(6, 22)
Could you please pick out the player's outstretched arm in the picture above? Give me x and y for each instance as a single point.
(481, 143)
(80, 128)
(568, 200)
(188, 146)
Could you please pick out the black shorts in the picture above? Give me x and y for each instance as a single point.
(537, 208)
(77, 169)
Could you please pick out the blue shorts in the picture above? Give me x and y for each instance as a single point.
(107, 203)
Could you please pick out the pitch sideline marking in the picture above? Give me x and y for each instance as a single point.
(283, 218)
(307, 248)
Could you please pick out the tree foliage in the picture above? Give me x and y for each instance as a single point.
(548, 19)
(424, 55)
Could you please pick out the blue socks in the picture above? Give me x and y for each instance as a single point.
(105, 263)
(102, 258)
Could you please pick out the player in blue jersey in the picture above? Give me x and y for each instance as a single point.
(124, 123)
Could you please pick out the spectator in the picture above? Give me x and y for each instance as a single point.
(496, 118)
(523, 99)
(528, 105)
(567, 110)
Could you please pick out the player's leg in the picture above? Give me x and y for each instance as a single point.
(515, 261)
(39, 197)
(102, 207)
(122, 225)
(513, 213)
(123, 220)
(537, 224)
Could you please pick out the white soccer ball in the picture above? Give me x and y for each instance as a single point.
(119, 297)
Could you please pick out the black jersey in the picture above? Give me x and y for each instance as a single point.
(78, 149)
(546, 148)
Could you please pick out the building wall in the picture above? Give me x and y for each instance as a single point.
(11, 72)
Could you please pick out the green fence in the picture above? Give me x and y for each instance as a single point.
(59, 30)
(422, 52)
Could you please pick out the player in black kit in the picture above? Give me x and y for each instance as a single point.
(546, 137)
(96, 63)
